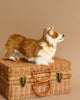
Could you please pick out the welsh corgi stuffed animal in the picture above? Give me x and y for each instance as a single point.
(40, 52)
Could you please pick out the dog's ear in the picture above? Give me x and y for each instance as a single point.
(49, 29)
(46, 30)
(52, 27)
(51, 32)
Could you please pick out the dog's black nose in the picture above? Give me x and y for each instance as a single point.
(63, 35)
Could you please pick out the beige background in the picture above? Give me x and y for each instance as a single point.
(29, 17)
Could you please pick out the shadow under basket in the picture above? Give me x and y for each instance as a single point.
(22, 80)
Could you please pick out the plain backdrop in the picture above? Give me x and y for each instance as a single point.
(30, 17)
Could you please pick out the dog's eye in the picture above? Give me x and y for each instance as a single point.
(56, 34)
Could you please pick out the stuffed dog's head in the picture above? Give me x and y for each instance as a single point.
(52, 36)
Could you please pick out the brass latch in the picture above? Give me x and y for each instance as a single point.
(59, 76)
(23, 81)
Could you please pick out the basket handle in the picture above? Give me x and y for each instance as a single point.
(47, 71)
(40, 84)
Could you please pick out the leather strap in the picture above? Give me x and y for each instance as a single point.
(47, 71)
(40, 84)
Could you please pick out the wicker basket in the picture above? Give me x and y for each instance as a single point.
(21, 80)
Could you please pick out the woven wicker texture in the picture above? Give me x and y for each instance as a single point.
(12, 71)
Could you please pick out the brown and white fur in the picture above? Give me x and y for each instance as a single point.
(40, 51)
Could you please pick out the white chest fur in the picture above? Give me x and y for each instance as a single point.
(47, 50)
(46, 54)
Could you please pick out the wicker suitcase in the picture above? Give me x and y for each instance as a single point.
(20, 79)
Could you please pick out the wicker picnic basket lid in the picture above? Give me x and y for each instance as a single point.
(13, 70)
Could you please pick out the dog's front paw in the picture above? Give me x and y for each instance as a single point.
(45, 64)
(42, 64)
(12, 58)
(52, 61)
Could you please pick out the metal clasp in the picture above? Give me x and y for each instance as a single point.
(59, 76)
(23, 81)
